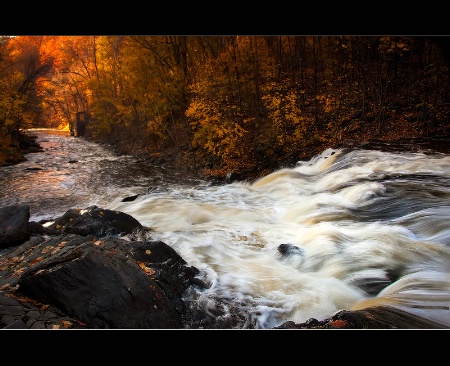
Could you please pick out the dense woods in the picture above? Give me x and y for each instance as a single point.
(218, 104)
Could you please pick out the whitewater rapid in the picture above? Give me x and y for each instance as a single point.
(348, 229)
(353, 222)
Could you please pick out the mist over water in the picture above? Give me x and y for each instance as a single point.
(345, 230)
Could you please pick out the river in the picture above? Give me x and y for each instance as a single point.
(345, 230)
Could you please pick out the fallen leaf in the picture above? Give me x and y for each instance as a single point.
(66, 324)
(37, 260)
(18, 272)
(338, 323)
(146, 269)
(46, 249)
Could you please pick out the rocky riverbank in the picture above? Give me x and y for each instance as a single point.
(15, 152)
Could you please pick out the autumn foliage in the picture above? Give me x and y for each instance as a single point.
(218, 104)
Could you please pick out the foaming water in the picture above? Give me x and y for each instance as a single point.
(345, 230)
(349, 222)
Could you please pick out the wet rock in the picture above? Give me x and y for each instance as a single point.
(81, 271)
(95, 221)
(130, 198)
(102, 289)
(14, 225)
(288, 249)
(74, 281)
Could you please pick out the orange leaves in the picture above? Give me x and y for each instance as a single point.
(338, 324)
(36, 260)
(18, 272)
(146, 269)
(56, 250)
(64, 323)
(47, 249)
(67, 324)
(112, 251)
(24, 299)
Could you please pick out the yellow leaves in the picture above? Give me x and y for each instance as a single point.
(67, 324)
(47, 249)
(148, 252)
(64, 323)
(146, 269)
(18, 272)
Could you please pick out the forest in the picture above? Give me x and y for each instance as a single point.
(220, 104)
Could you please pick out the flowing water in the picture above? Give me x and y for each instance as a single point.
(345, 230)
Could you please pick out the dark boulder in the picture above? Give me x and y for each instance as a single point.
(75, 281)
(92, 269)
(14, 225)
(289, 249)
(130, 198)
(101, 288)
(95, 221)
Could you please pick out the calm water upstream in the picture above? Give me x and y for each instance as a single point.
(350, 224)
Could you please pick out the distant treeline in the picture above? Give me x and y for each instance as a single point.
(222, 104)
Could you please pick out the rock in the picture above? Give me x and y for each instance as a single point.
(14, 225)
(102, 288)
(81, 272)
(130, 198)
(74, 281)
(343, 319)
(95, 221)
(289, 249)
